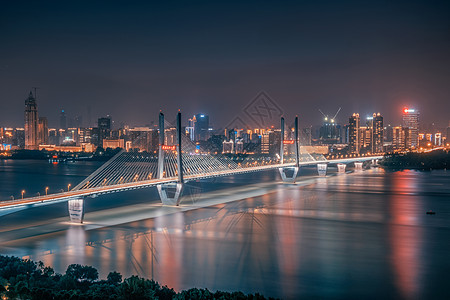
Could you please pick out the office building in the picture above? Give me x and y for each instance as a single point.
(239, 146)
(143, 139)
(330, 132)
(228, 147)
(43, 131)
(62, 120)
(401, 138)
(353, 133)
(201, 127)
(104, 129)
(377, 133)
(411, 119)
(190, 129)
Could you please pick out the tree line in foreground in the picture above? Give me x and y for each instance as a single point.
(26, 279)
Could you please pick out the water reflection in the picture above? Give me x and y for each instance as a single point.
(354, 235)
(76, 241)
(405, 234)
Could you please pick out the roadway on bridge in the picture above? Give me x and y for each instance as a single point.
(48, 199)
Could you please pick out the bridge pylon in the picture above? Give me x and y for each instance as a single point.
(294, 170)
(175, 188)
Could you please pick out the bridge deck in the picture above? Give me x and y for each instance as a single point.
(60, 197)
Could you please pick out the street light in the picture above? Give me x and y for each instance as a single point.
(23, 192)
(46, 191)
(68, 187)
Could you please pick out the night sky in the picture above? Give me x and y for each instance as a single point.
(131, 59)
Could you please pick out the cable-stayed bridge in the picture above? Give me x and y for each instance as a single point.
(177, 162)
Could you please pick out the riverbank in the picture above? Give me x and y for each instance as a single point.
(98, 155)
(434, 160)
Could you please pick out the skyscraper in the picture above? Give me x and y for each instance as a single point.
(31, 123)
(411, 120)
(401, 138)
(201, 127)
(104, 129)
(62, 120)
(43, 131)
(190, 128)
(353, 133)
(377, 133)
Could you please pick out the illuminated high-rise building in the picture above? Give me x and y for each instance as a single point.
(43, 131)
(377, 133)
(411, 119)
(365, 138)
(31, 123)
(401, 139)
(438, 139)
(190, 129)
(201, 127)
(228, 146)
(239, 148)
(353, 133)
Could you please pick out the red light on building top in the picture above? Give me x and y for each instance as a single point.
(409, 110)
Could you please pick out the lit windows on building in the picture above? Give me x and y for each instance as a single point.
(410, 118)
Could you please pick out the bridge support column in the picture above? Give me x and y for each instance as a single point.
(322, 169)
(76, 210)
(358, 166)
(285, 178)
(341, 168)
(176, 188)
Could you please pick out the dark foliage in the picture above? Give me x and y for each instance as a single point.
(25, 279)
(439, 159)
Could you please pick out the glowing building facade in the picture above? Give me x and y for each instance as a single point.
(354, 133)
(411, 120)
(31, 123)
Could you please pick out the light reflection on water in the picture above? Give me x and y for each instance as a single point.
(359, 235)
(405, 234)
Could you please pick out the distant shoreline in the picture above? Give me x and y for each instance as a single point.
(434, 160)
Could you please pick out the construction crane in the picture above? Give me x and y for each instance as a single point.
(333, 119)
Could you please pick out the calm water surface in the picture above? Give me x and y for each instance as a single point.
(358, 235)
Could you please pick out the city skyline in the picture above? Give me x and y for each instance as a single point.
(136, 59)
(88, 120)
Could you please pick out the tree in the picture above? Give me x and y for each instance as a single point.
(114, 278)
(135, 288)
(82, 273)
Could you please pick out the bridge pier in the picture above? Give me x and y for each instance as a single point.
(177, 188)
(285, 178)
(358, 166)
(341, 168)
(322, 169)
(76, 210)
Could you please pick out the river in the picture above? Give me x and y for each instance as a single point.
(357, 235)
